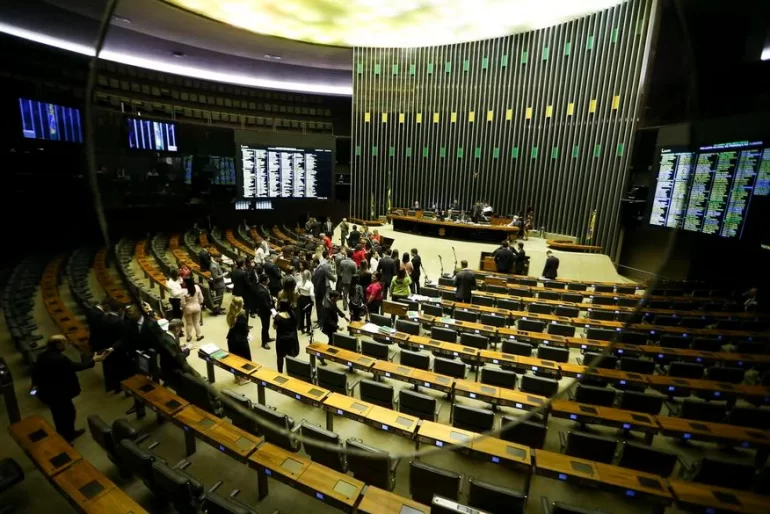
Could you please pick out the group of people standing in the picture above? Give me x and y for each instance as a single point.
(510, 260)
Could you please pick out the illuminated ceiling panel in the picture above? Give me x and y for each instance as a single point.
(392, 23)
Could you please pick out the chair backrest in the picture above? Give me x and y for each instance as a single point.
(598, 288)
(572, 297)
(665, 320)
(628, 302)
(373, 469)
(753, 417)
(431, 292)
(539, 385)
(548, 295)
(122, 429)
(497, 289)
(426, 480)
(336, 381)
(334, 459)
(417, 404)
(644, 458)
(179, 488)
(577, 286)
(527, 433)
(634, 365)
(564, 508)
(376, 350)
(566, 310)
(524, 293)
(498, 377)
(408, 327)
(415, 359)
(463, 315)
(376, 393)
(517, 348)
(446, 281)
(238, 419)
(101, 432)
(685, 370)
(703, 411)
(474, 341)
(433, 310)
(728, 374)
(443, 334)
(606, 361)
(381, 320)
(693, 322)
(561, 330)
(195, 391)
(601, 334)
(484, 301)
(269, 421)
(449, 367)
(640, 402)
(473, 419)
(553, 353)
(541, 308)
(625, 289)
(532, 282)
(750, 347)
(592, 447)
(136, 459)
(299, 369)
(602, 315)
(530, 325)
(345, 341)
(214, 503)
(707, 344)
(604, 300)
(509, 305)
(448, 295)
(633, 337)
(495, 499)
(495, 320)
(674, 341)
(723, 473)
(594, 395)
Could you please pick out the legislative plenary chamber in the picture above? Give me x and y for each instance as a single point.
(397, 257)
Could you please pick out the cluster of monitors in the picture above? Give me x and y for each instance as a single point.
(54, 122)
(220, 169)
(711, 190)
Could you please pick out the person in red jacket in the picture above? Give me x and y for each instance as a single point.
(359, 255)
(328, 241)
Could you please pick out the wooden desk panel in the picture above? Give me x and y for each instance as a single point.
(163, 401)
(83, 483)
(238, 365)
(306, 392)
(340, 355)
(392, 370)
(520, 400)
(193, 418)
(720, 499)
(274, 459)
(441, 435)
(562, 467)
(514, 334)
(139, 385)
(502, 452)
(608, 416)
(231, 439)
(633, 482)
(31, 431)
(352, 408)
(423, 378)
(379, 501)
(392, 421)
(331, 486)
(477, 390)
(53, 455)
(114, 502)
(688, 429)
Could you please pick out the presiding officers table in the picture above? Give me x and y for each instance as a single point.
(452, 229)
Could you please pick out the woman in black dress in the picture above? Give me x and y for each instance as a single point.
(286, 339)
(238, 335)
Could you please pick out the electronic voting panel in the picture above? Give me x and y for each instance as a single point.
(284, 172)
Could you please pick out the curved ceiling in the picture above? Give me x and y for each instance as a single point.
(391, 23)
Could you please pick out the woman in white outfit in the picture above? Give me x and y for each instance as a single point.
(191, 309)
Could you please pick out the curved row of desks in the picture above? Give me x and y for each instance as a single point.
(149, 268)
(72, 328)
(452, 229)
(112, 287)
(544, 463)
(86, 489)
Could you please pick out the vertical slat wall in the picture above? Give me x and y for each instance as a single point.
(542, 119)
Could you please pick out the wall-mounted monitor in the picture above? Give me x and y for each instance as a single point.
(158, 136)
(52, 122)
(710, 189)
(285, 172)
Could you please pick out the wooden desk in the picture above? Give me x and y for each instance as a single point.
(362, 328)
(345, 406)
(234, 364)
(392, 421)
(451, 229)
(275, 462)
(31, 431)
(379, 501)
(196, 423)
(731, 435)
(164, 402)
(399, 309)
(467, 327)
(496, 450)
(233, 441)
(82, 483)
(520, 399)
(53, 455)
(607, 416)
(708, 498)
(440, 435)
(332, 487)
(476, 391)
(350, 359)
(562, 467)
(469, 307)
(114, 502)
(423, 378)
(302, 391)
(139, 385)
(443, 347)
(634, 483)
(613, 375)
(525, 336)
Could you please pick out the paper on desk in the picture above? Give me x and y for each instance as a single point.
(209, 348)
(370, 327)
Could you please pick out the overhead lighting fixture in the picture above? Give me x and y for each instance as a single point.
(178, 69)
(766, 54)
(392, 23)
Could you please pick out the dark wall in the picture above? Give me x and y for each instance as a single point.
(542, 119)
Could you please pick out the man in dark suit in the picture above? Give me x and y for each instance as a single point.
(240, 279)
(387, 268)
(273, 273)
(328, 226)
(315, 229)
(173, 360)
(354, 237)
(504, 258)
(55, 378)
(265, 306)
(551, 266)
(416, 271)
(521, 260)
(204, 259)
(106, 329)
(322, 278)
(465, 282)
(143, 332)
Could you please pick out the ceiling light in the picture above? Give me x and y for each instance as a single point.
(392, 23)
(178, 69)
(766, 54)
